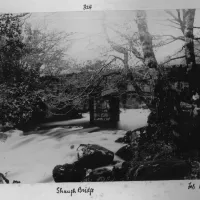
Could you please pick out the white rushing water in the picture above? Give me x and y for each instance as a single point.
(31, 158)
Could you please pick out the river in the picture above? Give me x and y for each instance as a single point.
(31, 157)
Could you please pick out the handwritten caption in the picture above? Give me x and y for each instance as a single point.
(87, 7)
(192, 186)
(89, 191)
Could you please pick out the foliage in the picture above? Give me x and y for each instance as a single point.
(26, 54)
(20, 86)
(46, 50)
(11, 48)
(20, 105)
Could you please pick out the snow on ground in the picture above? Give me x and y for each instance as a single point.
(31, 158)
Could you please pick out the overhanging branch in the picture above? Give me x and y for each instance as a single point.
(171, 59)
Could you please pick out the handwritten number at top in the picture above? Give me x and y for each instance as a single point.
(87, 7)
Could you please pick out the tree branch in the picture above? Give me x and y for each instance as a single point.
(170, 26)
(177, 20)
(173, 59)
(172, 15)
(173, 21)
(118, 58)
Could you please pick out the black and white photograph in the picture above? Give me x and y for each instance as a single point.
(99, 96)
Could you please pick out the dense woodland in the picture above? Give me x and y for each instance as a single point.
(31, 93)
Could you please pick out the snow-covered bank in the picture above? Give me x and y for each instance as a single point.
(31, 158)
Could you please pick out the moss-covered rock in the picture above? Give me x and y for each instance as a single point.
(68, 173)
(91, 156)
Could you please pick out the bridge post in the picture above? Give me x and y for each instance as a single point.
(104, 107)
(91, 109)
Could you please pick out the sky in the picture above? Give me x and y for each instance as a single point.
(89, 41)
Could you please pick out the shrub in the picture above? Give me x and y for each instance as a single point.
(20, 106)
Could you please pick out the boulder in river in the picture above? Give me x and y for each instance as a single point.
(119, 171)
(101, 174)
(125, 152)
(131, 136)
(92, 156)
(121, 140)
(68, 173)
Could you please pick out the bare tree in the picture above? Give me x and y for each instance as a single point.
(119, 49)
(129, 47)
(47, 50)
(183, 19)
(138, 44)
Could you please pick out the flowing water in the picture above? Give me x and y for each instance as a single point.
(31, 157)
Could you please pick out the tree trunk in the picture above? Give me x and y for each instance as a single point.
(165, 106)
(147, 46)
(193, 79)
(126, 65)
(193, 73)
(189, 37)
(146, 40)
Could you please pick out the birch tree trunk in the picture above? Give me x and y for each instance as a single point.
(193, 73)
(189, 37)
(147, 46)
(193, 79)
(146, 40)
